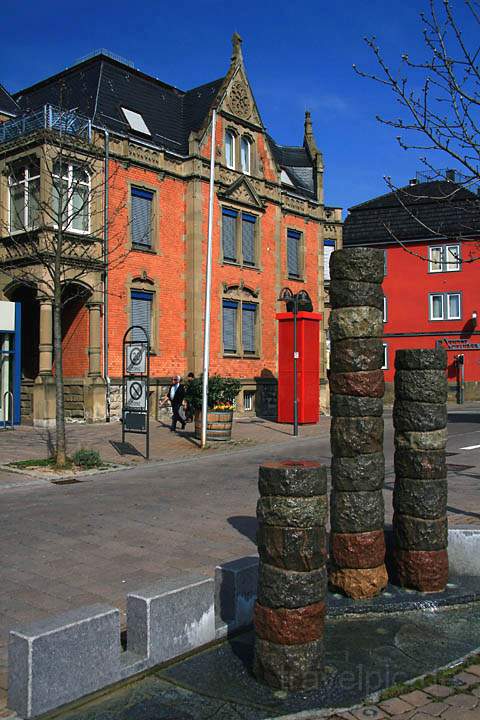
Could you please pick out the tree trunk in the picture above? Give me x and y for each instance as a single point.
(61, 446)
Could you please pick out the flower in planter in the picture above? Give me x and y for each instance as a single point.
(222, 392)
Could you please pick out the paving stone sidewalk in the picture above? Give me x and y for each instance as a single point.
(455, 698)
(26, 442)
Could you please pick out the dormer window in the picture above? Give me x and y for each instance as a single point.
(136, 121)
(245, 155)
(230, 149)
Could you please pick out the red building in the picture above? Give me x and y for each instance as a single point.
(139, 150)
(429, 232)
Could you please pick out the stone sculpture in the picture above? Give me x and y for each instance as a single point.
(357, 546)
(290, 609)
(420, 494)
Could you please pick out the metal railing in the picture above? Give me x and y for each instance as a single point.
(48, 117)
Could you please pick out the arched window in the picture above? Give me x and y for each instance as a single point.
(230, 149)
(245, 152)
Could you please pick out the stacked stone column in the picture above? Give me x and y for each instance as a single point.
(420, 495)
(357, 541)
(290, 609)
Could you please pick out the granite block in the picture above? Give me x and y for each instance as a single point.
(236, 592)
(171, 618)
(58, 660)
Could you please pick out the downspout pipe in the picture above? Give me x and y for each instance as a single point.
(105, 271)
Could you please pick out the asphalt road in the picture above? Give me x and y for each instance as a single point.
(63, 546)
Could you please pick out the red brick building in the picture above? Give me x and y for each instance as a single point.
(429, 232)
(152, 143)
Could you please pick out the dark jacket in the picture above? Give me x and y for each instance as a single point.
(179, 396)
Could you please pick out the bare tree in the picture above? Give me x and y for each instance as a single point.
(54, 226)
(438, 97)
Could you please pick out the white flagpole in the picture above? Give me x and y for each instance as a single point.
(208, 285)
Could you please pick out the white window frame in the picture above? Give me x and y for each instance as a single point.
(70, 187)
(448, 298)
(385, 356)
(445, 306)
(248, 400)
(444, 264)
(385, 309)
(25, 181)
(244, 141)
(231, 164)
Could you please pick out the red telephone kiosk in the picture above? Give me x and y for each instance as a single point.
(307, 362)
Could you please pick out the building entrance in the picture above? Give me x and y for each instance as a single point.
(10, 363)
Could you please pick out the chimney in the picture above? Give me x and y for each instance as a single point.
(412, 181)
(450, 175)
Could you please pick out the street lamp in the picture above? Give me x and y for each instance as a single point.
(294, 301)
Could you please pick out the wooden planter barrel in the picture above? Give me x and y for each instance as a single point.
(219, 425)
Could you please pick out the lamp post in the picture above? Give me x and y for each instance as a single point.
(293, 300)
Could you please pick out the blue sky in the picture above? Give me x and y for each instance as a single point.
(298, 56)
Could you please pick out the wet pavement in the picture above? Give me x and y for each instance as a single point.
(364, 655)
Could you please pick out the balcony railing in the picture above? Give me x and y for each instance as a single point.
(47, 118)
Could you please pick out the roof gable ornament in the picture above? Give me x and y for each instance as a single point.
(242, 192)
(237, 57)
(309, 141)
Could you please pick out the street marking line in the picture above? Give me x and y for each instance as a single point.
(471, 447)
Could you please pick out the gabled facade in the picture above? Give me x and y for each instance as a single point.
(430, 236)
(152, 143)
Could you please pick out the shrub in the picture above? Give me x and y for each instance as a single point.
(222, 391)
(87, 458)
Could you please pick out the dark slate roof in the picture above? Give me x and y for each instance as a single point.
(99, 87)
(415, 212)
(297, 164)
(8, 106)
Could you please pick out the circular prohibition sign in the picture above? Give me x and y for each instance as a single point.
(136, 356)
(136, 390)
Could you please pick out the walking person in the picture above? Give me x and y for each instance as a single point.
(175, 394)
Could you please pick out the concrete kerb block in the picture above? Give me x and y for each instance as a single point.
(464, 551)
(235, 594)
(55, 661)
(171, 618)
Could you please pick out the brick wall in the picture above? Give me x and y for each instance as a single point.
(163, 270)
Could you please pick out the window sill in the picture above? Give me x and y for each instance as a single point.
(443, 272)
(237, 356)
(235, 263)
(295, 278)
(139, 248)
(459, 319)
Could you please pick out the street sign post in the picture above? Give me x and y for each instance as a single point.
(135, 387)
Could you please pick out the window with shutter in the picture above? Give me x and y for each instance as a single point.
(248, 327)
(293, 253)
(328, 248)
(248, 238)
(229, 239)
(142, 313)
(230, 326)
(142, 202)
